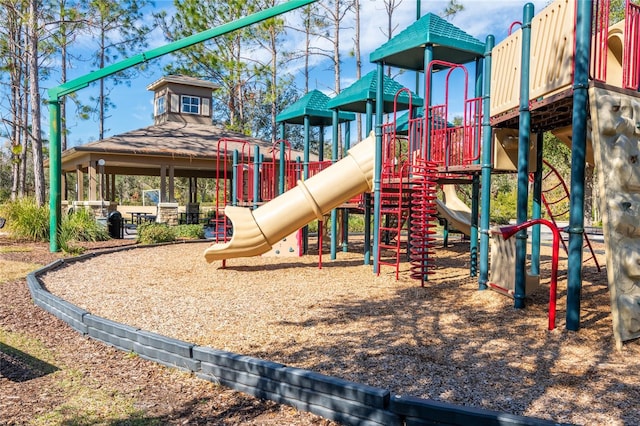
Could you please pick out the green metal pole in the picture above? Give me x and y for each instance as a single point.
(256, 176)
(305, 173)
(283, 159)
(475, 188)
(345, 212)
(282, 167)
(83, 81)
(334, 158)
(578, 153)
(523, 161)
(485, 186)
(428, 57)
(55, 174)
(234, 179)
(378, 165)
(367, 196)
(418, 15)
(537, 207)
(321, 144)
(55, 93)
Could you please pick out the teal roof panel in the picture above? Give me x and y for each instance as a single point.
(450, 43)
(313, 105)
(355, 97)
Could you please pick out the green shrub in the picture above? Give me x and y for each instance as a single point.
(151, 233)
(503, 207)
(189, 231)
(80, 226)
(25, 220)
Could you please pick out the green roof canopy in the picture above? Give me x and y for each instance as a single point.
(354, 98)
(451, 44)
(313, 105)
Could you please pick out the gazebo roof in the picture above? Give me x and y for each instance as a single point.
(450, 43)
(313, 105)
(184, 80)
(354, 98)
(191, 148)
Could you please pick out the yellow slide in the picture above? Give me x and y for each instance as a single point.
(256, 231)
(454, 210)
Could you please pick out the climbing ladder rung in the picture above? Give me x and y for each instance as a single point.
(553, 215)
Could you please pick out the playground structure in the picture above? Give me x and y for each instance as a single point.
(393, 172)
(579, 74)
(500, 131)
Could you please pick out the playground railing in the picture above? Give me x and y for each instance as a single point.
(631, 56)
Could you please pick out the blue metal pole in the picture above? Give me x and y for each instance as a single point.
(367, 196)
(334, 158)
(578, 153)
(537, 207)
(485, 200)
(378, 165)
(523, 161)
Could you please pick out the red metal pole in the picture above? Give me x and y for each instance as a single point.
(508, 231)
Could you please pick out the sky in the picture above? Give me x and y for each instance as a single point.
(134, 106)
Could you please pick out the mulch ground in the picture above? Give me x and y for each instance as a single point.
(83, 370)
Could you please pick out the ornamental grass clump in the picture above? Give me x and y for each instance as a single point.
(26, 220)
(80, 226)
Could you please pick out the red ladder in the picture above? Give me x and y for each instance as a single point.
(394, 208)
(556, 197)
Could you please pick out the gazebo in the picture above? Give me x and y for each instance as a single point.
(182, 142)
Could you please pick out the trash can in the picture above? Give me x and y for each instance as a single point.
(114, 225)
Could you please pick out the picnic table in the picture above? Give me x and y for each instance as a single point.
(142, 217)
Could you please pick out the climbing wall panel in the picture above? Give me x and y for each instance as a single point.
(616, 142)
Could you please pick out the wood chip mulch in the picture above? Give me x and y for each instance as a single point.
(446, 341)
(82, 371)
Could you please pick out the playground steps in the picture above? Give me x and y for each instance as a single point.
(555, 197)
(394, 211)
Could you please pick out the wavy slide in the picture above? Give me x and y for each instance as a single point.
(256, 231)
(454, 210)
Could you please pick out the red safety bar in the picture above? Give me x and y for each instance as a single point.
(270, 171)
(508, 231)
(455, 145)
(631, 55)
(513, 24)
(395, 154)
(599, 44)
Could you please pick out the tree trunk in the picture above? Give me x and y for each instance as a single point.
(25, 138)
(34, 86)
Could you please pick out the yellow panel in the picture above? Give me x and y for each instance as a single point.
(552, 39)
(505, 150)
(505, 73)
(551, 58)
(615, 43)
(551, 66)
